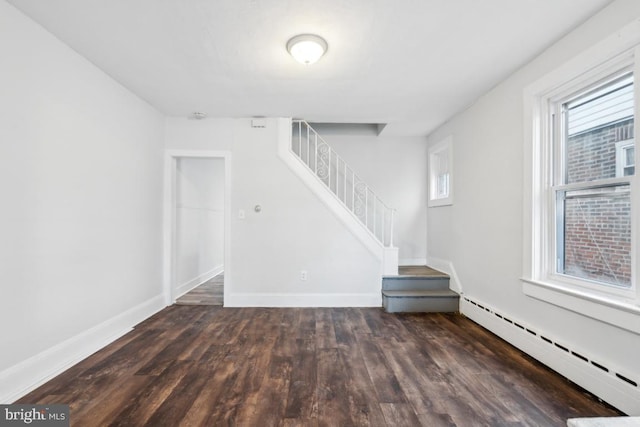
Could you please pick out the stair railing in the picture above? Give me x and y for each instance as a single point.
(343, 182)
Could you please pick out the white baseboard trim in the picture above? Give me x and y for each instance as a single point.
(412, 261)
(303, 300)
(447, 267)
(600, 377)
(26, 376)
(199, 280)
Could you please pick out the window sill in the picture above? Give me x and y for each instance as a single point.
(434, 203)
(617, 312)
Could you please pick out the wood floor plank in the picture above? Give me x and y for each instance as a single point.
(249, 362)
(220, 373)
(344, 334)
(384, 380)
(209, 366)
(325, 332)
(333, 394)
(169, 354)
(269, 406)
(102, 409)
(143, 404)
(302, 392)
(399, 414)
(174, 408)
(424, 391)
(364, 404)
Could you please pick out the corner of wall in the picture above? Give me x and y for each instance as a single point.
(448, 268)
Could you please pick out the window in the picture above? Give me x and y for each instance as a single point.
(625, 158)
(440, 173)
(581, 202)
(591, 187)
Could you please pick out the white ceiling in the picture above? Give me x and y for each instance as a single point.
(409, 63)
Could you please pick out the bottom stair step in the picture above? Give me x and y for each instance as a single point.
(420, 301)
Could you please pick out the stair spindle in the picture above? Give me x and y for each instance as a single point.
(380, 235)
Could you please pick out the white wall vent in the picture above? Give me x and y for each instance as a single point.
(259, 123)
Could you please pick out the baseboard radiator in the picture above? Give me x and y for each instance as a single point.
(599, 377)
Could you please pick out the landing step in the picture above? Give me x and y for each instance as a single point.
(416, 278)
(415, 271)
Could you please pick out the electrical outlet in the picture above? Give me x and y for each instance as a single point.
(303, 274)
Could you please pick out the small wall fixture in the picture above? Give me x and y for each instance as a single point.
(198, 115)
(307, 48)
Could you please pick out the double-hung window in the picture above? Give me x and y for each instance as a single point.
(592, 168)
(582, 207)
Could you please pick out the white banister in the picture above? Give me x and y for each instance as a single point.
(330, 156)
(344, 191)
(384, 224)
(374, 216)
(353, 191)
(320, 164)
(308, 150)
(393, 211)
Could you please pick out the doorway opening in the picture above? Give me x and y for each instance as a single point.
(197, 227)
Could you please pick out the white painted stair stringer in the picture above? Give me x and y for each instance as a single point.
(388, 256)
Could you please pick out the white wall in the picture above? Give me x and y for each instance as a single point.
(80, 179)
(396, 169)
(199, 220)
(482, 233)
(293, 232)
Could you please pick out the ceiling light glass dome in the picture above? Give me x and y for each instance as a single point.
(307, 48)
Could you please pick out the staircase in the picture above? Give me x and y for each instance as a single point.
(345, 192)
(418, 289)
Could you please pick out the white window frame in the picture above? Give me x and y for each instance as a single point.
(621, 156)
(437, 176)
(556, 184)
(617, 306)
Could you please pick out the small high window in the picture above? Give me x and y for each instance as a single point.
(440, 173)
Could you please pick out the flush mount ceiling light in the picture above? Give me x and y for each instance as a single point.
(307, 48)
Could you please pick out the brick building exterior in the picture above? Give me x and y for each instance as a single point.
(597, 226)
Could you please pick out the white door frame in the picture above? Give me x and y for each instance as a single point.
(169, 221)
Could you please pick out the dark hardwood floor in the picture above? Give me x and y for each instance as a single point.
(210, 292)
(213, 366)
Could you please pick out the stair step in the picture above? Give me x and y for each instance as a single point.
(411, 271)
(416, 277)
(400, 283)
(418, 289)
(420, 301)
(420, 293)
